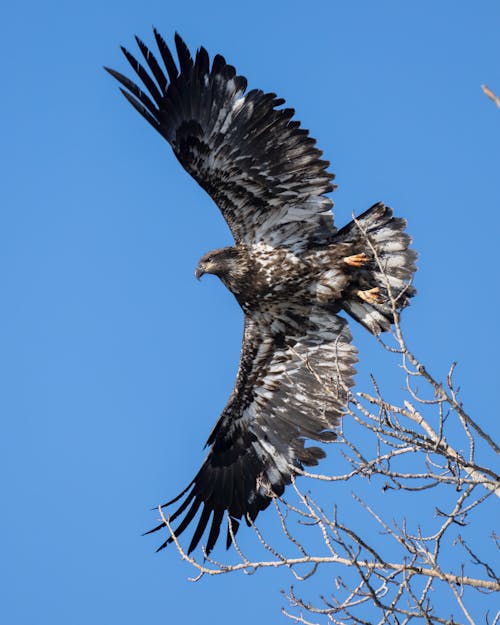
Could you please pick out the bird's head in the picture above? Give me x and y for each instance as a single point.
(224, 262)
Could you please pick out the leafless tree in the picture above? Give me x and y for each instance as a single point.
(420, 470)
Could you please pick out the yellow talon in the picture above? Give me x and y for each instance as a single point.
(370, 296)
(357, 260)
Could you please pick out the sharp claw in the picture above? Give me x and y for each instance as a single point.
(357, 260)
(371, 295)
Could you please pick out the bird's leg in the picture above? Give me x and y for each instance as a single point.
(357, 260)
(371, 295)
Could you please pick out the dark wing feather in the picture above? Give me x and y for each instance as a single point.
(153, 65)
(262, 170)
(167, 57)
(289, 387)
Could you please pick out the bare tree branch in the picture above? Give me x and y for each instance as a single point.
(424, 451)
(491, 95)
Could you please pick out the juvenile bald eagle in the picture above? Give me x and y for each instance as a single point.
(290, 270)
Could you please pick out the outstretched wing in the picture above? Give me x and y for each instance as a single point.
(262, 170)
(289, 387)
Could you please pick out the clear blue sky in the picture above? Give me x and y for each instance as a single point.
(114, 361)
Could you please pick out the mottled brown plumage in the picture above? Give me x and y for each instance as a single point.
(290, 270)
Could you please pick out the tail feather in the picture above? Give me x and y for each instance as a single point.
(386, 274)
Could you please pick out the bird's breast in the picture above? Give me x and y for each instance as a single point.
(275, 275)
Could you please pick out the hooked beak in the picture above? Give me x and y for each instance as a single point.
(198, 272)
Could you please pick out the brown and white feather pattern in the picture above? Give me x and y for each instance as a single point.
(290, 387)
(290, 271)
(390, 266)
(262, 170)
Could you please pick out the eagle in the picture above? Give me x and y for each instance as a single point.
(291, 271)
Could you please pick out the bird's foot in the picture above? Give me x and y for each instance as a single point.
(357, 260)
(371, 295)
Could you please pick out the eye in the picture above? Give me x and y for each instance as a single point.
(209, 259)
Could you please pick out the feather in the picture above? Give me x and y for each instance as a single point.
(185, 60)
(134, 89)
(215, 529)
(153, 65)
(141, 109)
(167, 57)
(144, 76)
(200, 528)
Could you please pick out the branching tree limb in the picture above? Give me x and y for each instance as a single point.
(422, 559)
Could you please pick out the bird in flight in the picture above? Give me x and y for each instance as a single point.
(290, 270)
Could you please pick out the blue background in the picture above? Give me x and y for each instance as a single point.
(114, 361)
